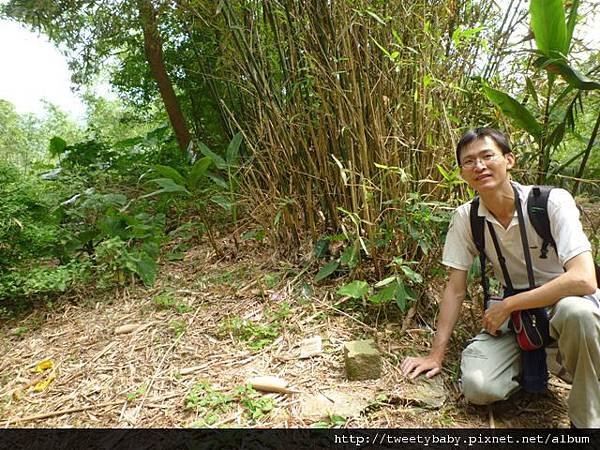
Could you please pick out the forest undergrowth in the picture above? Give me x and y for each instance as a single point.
(181, 353)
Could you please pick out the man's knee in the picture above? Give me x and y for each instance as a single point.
(489, 368)
(480, 390)
(576, 313)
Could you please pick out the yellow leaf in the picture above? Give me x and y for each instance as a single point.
(44, 365)
(17, 394)
(42, 385)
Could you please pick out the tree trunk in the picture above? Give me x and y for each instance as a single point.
(154, 54)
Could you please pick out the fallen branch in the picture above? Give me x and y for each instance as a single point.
(61, 412)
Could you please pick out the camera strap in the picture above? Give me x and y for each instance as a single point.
(524, 242)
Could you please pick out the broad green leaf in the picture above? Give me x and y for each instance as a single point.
(57, 146)
(113, 226)
(87, 236)
(169, 172)
(356, 289)
(198, 171)
(170, 185)
(222, 201)
(385, 295)
(167, 186)
(412, 275)
(114, 199)
(128, 143)
(560, 67)
(233, 150)
(385, 282)
(219, 161)
(217, 180)
(327, 270)
(321, 248)
(514, 110)
(403, 295)
(549, 27)
(349, 257)
(146, 268)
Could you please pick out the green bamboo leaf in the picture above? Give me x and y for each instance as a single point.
(233, 150)
(572, 21)
(218, 160)
(326, 270)
(514, 110)
(557, 134)
(443, 171)
(356, 289)
(531, 90)
(169, 172)
(199, 171)
(376, 17)
(549, 27)
(573, 77)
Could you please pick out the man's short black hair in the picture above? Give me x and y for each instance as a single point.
(479, 133)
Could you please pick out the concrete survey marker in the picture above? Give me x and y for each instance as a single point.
(362, 360)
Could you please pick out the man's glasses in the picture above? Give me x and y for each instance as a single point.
(471, 163)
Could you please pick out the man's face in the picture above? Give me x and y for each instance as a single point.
(483, 166)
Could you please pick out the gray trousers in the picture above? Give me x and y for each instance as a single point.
(490, 366)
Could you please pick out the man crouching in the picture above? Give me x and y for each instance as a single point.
(493, 366)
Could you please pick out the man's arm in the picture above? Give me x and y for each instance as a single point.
(452, 299)
(579, 279)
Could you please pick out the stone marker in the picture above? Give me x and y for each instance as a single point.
(311, 347)
(363, 361)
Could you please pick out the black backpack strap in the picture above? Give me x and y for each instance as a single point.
(477, 230)
(537, 210)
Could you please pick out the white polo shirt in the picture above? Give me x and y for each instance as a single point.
(460, 250)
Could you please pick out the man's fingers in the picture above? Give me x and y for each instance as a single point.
(433, 372)
(416, 372)
(413, 367)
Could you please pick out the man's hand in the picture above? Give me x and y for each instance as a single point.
(413, 367)
(495, 316)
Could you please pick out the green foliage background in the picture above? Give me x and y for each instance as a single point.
(328, 123)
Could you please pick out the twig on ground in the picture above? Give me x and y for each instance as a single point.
(160, 364)
(491, 416)
(347, 315)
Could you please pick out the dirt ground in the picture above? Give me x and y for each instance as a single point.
(180, 354)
